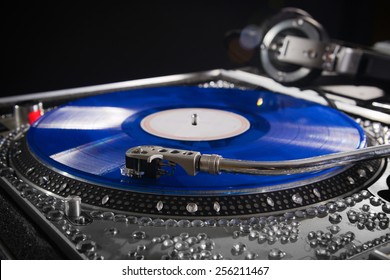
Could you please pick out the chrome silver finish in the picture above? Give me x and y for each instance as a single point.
(194, 119)
(330, 57)
(80, 220)
(267, 49)
(186, 159)
(21, 112)
(19, 117)
(193, 162)
(99, 89)
(316, 54)
(302, 51)
(210, 164)
(348, 61)
(73, 206)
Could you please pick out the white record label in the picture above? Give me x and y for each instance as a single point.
(195, 124)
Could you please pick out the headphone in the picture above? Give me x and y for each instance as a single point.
(294, 49)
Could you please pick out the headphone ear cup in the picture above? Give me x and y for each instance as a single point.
(242, 45)
(284, 14)
(295, 22)
(295, 12)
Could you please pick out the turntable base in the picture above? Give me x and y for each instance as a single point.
(338, 216)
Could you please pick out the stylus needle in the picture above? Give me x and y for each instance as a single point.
(145, 161)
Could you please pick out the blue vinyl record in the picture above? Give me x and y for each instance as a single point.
(88, 138)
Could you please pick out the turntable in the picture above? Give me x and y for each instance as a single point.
(222, 164)
(68, 171)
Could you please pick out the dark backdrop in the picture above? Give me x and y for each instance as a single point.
(58, 45)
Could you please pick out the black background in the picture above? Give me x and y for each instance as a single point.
(62, 44)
